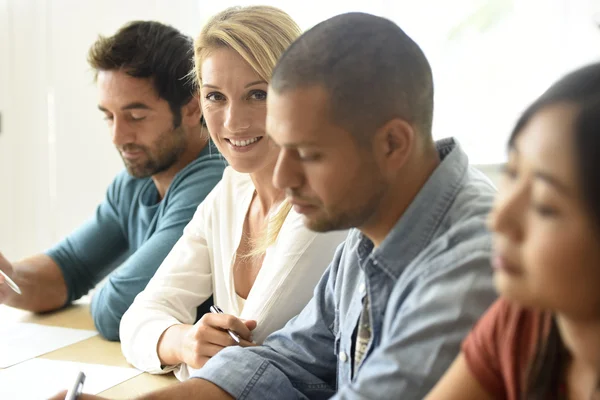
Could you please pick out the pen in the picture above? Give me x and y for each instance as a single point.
(11, 284)
(77, 388)
(217, 310)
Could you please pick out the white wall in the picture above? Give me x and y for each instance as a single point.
(23, 144)
(56, 158)
(7, 142)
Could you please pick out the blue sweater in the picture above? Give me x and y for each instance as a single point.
(130, 235)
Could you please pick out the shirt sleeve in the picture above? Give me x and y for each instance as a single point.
(90, 252)
(423, 328)
(298, 361)
(114, 298)
(481, 348)
(181, 283)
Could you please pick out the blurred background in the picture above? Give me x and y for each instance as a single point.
(490, 58)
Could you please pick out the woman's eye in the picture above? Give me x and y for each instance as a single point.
(258, 95)
(214, 96)
(544, 211)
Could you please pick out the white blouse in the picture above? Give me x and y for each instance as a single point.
(201, 264)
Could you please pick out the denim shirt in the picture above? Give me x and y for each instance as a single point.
(428, 282)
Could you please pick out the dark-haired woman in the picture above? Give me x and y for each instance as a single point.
(541, 339)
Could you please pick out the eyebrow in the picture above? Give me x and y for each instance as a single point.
(546, 176)
(247, 85)
(130, 106)
(552, 180)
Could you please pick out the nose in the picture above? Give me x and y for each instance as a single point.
(508, 215)
(288, 171)
(121, 132)
(237, 118)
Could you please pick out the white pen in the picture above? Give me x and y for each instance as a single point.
(77, 387)
(217, 310)
(11, 284)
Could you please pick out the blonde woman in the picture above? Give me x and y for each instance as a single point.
(245, 245)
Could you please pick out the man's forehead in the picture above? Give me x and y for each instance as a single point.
(300, 94)
(303, 125)
(297, 106)
(119, 82)
(117, 90)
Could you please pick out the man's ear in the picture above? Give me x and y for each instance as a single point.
(191, 112)
(394, 143)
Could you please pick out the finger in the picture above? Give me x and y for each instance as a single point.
(210, 350)
(225, 322)
(59, 396)
(4, 264)
(3, 290)
(245, 343)
(207, 334)
(205, 353)
(250, 324)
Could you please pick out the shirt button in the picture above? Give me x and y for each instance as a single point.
(343, 357)
(362, 288)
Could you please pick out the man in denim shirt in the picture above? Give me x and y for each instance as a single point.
(350, 105)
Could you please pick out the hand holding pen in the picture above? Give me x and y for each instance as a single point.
(7, 285)
(215, 309)
(211, 334)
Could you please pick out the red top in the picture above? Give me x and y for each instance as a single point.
(501, 346)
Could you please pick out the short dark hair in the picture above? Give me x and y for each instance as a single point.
(372, 71)
(580, 88)
(149, 49)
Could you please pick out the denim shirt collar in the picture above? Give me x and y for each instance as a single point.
(413, 231)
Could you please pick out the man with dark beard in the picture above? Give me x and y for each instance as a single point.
(154, 118)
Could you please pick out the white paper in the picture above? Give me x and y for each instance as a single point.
(22, 341)
(41, 378)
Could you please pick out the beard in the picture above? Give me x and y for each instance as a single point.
(355, 213)
(159, 157)
(337, 219)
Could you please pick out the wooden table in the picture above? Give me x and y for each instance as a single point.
(95, 350)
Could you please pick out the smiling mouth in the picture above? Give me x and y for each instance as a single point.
(243, 143)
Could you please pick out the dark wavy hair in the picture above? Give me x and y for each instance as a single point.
(149, 49)
(582, 89)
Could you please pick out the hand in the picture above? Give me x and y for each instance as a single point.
(61, 396)
(209, 336)
(7, 268)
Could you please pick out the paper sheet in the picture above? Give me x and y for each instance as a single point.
(22, 341)
(41, 378)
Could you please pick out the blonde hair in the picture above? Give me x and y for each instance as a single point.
(260, 35)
